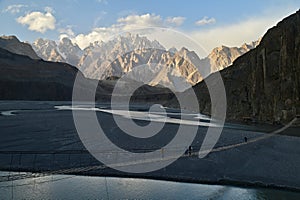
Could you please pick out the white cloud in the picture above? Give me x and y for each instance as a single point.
(13, 9)
(135, 21)
(234, 34)
(128, 23)
(38, 21)
(177, 21)
(66, 32)
(205, 21)
(97, 34)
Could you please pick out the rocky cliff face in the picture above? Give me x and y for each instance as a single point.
(264, 84)
(100, 60)
(12, 44)
(47, 50)
(176, 71)
(70, 52)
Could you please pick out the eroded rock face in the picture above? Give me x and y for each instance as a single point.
(48, 50)
(264, 84)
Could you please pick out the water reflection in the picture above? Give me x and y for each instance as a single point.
(85, 187)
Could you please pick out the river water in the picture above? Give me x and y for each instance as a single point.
(87, 187)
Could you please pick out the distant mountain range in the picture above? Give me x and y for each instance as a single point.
(177, 70)
(263, 84)
(25, 76)
(222, 57)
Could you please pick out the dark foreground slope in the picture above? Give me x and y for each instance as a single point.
(263, 84)
(23, 78)
(14, 45)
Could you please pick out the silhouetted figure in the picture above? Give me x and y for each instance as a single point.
(245, 139)
(190, 150)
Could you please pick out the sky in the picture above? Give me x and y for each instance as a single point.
(207, 24)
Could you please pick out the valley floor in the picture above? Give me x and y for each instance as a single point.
(37, 137)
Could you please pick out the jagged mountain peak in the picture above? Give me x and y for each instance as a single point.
(47, 50)
(63, 51)
(42, 41)
(223, 56)
(173, 50)
(120, 55)
(67, 41)
(183, 50)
